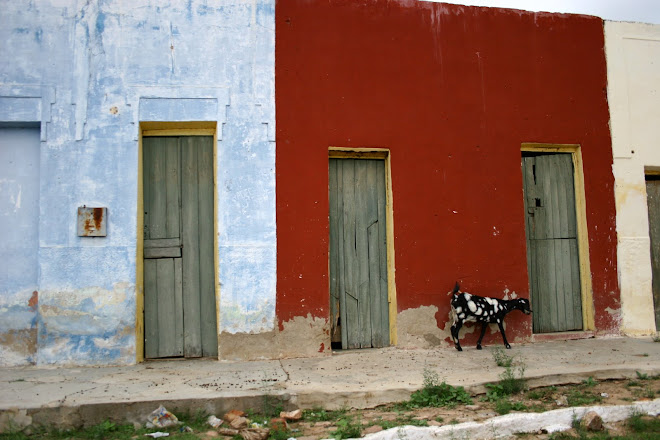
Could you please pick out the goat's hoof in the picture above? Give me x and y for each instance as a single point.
(507, 346)
(459, 349)
(479, 347)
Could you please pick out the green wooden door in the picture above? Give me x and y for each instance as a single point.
(358, 253)
(653, 200)
(552, 244)
(179, 297)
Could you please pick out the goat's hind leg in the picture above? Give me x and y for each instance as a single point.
(454, 334)
(506, 343)
(481, 336)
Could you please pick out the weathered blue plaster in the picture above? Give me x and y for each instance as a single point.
(173, 109)
(89, 73)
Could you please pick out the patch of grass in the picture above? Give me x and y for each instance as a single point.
(279, 433)
(347, 427)
(577, 397)
(639, 423)
(505, 406)
(102, 431)
(645, 392)
(512, 381)
(544, 394)
(404, 420)
(435, 393)
(642, 376)
(536, 408)
(590, 382)
(271, 406)
(197, 420)
(321, 415)
(656, 338)
(440, 395)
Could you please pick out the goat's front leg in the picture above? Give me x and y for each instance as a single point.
(506, 343)
(454, 334)
(481, 336)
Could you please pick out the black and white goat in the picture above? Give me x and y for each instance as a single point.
(467, 307)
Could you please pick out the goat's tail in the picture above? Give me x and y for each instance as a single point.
(456, 289)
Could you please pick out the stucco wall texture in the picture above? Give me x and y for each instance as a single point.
(87, 73)
(633, 68)
(452, 92)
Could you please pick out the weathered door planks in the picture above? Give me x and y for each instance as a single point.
(358, 253)
(552, 247)
(653, 201)
(180, 306)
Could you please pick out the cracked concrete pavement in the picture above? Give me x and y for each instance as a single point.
(357, 378)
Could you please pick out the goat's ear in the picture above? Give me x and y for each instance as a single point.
(456, 288)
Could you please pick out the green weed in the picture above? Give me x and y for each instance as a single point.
(435, 394)
(439, 395)
(505, 406)
(501, 358)
(590, 382)
(347, 427)
(582, 398)
(544, 394)
(638, 423)
(279, 434)
(512, 380)
(271, 406)
(321, 415)
(406, 420)
(642, 376)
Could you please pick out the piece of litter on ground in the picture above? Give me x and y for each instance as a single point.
(214, 421)
(158, 434)
(162, 418)
(604, 395)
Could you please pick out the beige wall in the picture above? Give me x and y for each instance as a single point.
(633, 68)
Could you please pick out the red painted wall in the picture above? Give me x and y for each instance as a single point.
(452, 92)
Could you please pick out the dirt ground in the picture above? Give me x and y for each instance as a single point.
(588, 393)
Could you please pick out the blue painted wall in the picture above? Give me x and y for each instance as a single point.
(89, 73)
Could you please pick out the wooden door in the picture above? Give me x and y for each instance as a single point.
(653, 200)
(358, 253)
(552, 242)
(180, 306)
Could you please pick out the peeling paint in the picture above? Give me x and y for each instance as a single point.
(300, 337)
(418, 328)
(91, 326)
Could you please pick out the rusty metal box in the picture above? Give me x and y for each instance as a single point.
(92, 222)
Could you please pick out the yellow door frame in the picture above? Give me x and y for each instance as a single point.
(152, 129)
(383, 154)
(586, 288)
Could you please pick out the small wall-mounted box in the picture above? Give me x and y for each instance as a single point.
(92, 222)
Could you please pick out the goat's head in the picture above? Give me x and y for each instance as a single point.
(523, 305)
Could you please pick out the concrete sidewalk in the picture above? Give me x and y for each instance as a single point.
(359, 379)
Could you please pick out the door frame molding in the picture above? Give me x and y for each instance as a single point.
(152, 129)
(586, 289)
(382, 154)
